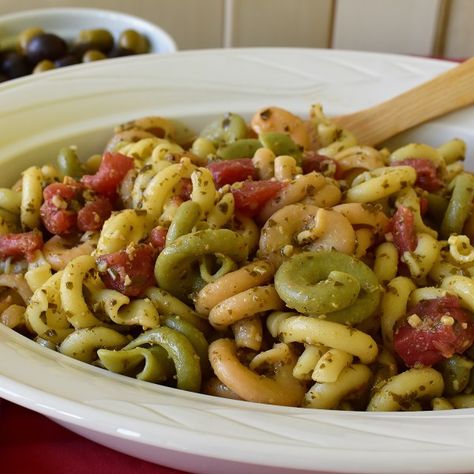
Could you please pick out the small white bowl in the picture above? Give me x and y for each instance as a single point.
(67, 22)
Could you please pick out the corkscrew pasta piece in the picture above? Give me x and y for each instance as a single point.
(394, 306)
(408, 198)
(309, 330)
(168, 305)
(82, 344)
(119, 309)
(300, 227)
(308, 185)
(44, 314)
(461, 249)
(453, 150)
(174, 266)
(59, 251)
(459, 205)
(278, 388)
(403, 389)
(149, 365)
(276, 119)
(307, 361)
(332, 284)
(377, 184)
(248, 333)
(161, 127)
(353, 379)
(179, 349)
(244, 305)
(386, 262)
(461, 286)
(71, 292)
(161, 187)
(421, 260)
(359, 158)
(121, 229)
(31, 198)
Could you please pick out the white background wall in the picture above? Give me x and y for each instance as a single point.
(421, 27)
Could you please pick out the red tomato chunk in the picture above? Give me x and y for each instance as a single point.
(112, 170)
(232, 171)
(251, 196)
(93, 215)
(433, 330)
(158, 237)
(58, 210)
(130, 271)
(402, 227)
(312, 161)
(426, 173)
(20, 245)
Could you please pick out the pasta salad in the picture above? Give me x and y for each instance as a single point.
(275, 260)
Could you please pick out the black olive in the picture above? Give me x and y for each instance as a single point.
(15, 65)
(45, 46)
(67, 60)
(3, 77)
(118, 52)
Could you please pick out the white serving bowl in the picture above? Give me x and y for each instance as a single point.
(184, 430)
(67, 22)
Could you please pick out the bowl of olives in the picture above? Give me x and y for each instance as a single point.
(34, 41)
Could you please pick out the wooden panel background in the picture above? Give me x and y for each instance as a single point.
(420, 27)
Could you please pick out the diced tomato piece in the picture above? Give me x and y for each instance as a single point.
(426, 173)
(130, 271)
(93, 215)
(402, 227)
(158, 237)
(20, 245)
(185, 189)
(232, 171)
(251, 196)
(112, 170)
(443, 329)
(313, 161)
(65, 191)
(58, 221)
(57, 212)
(424, 204)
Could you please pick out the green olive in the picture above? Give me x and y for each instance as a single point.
(8, 43)
(99, 39)
(27, 35)
(45, 65)
(93, 55)
(68, 162)
(133, 41)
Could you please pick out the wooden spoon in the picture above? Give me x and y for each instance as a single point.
(449, 91)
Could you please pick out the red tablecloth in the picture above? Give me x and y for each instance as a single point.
(31, 443)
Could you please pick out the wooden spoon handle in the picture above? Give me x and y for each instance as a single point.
(449, 91)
